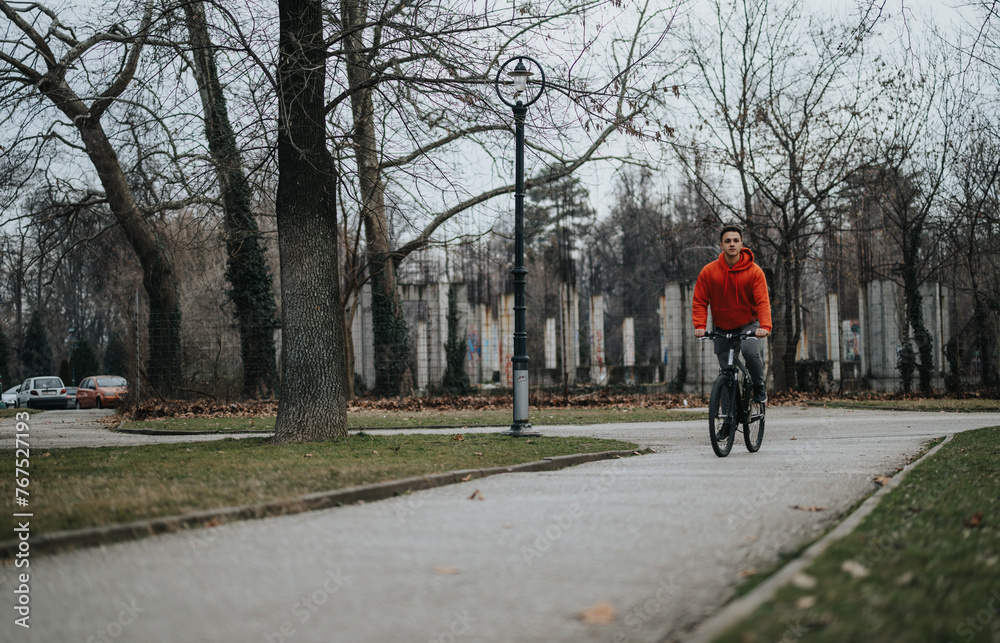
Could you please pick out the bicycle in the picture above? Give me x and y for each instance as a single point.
(731, 402)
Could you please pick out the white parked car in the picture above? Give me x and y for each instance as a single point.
(47, 392)
(10, 396)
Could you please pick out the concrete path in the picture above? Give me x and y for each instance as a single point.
(83, 428)
(655, 543)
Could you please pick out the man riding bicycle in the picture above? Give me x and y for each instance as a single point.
(735, 287)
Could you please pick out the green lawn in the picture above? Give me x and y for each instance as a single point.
(371, 420)
(83, 487)
(924, 566)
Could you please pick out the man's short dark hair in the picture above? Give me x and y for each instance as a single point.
(731, 228)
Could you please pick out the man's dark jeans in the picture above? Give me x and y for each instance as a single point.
(751, 349)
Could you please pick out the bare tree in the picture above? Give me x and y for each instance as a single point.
(419, 80)
(247, 271)
(42, 62)
(779, 102)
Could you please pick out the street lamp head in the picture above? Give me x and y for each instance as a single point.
(520, 75)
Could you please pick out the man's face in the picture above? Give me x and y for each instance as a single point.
(732, 244)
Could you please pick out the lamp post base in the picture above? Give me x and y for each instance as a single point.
(522, 430)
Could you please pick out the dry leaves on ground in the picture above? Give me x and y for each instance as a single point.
(854, 568)
(976, 520)
(809, 508)
(600, 614)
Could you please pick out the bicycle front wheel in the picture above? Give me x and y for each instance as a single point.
(753, 428)
(721, 428)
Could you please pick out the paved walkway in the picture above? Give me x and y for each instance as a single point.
(658, 542)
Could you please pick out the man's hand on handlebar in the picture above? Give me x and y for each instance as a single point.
(762, 333)
(699, 332)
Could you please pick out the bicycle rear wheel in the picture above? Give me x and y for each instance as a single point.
(753, 428)
(721, 428)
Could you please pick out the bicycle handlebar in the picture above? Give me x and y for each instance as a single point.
(711, 334)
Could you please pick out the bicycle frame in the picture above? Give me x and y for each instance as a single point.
(742, 384)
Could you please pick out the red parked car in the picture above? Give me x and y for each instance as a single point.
(100, 391)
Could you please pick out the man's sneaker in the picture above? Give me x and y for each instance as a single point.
(759, 394)
(722, 434)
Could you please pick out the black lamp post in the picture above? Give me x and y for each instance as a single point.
(519, 104)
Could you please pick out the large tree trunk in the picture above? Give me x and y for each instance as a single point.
(246, 268)
(391, 338)
(312, 403)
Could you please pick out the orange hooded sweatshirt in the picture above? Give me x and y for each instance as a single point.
(737, 295)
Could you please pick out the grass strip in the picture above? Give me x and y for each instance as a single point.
(87, 487)
(373, 420)
(923, 566)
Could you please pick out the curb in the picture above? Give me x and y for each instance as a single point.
(744, 606)
(93, 536)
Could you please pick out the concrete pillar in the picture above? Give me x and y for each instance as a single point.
(833, 333)
(883, 335)
(362, 339)
(474, 344)
(628, 341)
(598, 363)
(439, 329)
(677, 340)
(569, 316)
(490, 345)
(550, 343)
(571, 352)
(862, 341)
(423, 364)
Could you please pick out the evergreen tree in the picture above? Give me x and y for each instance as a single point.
(37, 352)
(84, 361)
(5, 375)
(65, 372)
(456, 379)
(116, 357)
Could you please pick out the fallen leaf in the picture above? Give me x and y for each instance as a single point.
(854, 568)
(308, 455)
(214, 522)
(459, 437)
(445, 570)
(476, 495)
(905, 579)
(477, 453)
(467, 478)
(46, 454)
(975, 521)
(809, 508)
(793, 438)
(748, 572)
(375, 452)
(881, 480)
(600, 614)
(803, 581)
(805, 602)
